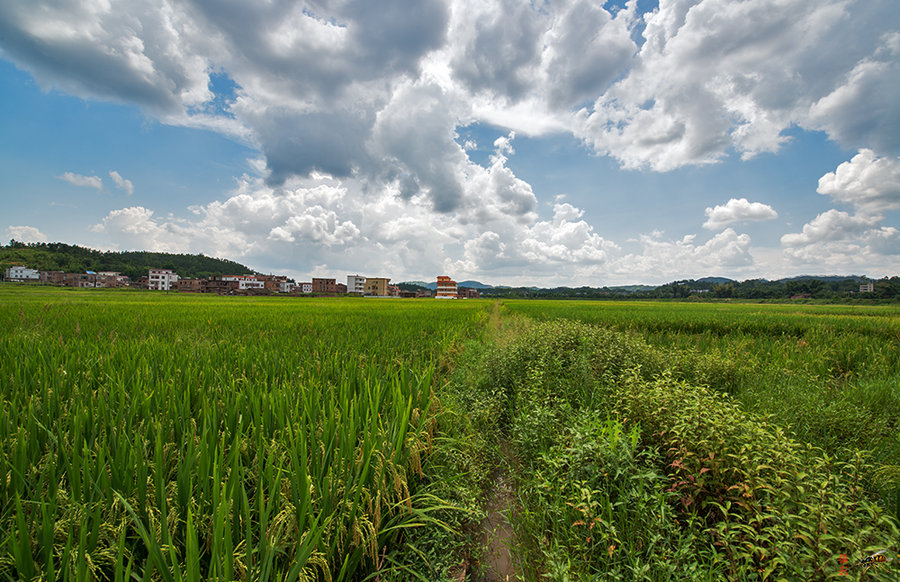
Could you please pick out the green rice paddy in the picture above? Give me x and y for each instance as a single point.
(152, 436)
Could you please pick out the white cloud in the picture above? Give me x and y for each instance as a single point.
(664, 260)
(717, 74)
(737, 210)
(869, 183)
(830, 226)
(863, 110)
(121, 183)
(82, 181)
(844, 243)
(136, 228)
(851, 242)
(26, 234)
(354, 108)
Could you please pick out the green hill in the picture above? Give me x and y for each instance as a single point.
(134, 264)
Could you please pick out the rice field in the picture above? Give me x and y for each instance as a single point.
(192, 437)
(151, 436)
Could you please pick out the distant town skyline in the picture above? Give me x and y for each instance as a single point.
(551, 143)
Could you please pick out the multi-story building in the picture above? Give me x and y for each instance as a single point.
(340, 288)
(377, 286)
(22, 274)
(305, 287)
(468, 293)
(189, 285)
(867, 288)
(286, 286)
(111, 279)
(218, 285)
(53, 277)
(274, 283)
(356, 284)
(162, 279)
(85, 280)
(393, 290)
(246, 281)
(446, 288)
(326, 286)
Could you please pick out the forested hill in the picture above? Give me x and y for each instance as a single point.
(134, 264)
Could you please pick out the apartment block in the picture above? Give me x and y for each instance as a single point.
(246, 281)
(446, 288)
(356, 284)
(468, 293)
(22, 274)
(162, 279)
(377, 286)
(189, 285)
(325, 286)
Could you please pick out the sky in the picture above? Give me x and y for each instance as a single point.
(545, 143)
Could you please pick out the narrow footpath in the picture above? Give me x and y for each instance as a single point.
(497, 535)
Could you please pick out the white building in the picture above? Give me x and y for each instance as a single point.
(162, 279)
(864, 288)
(356, 284)
(285, 287)
(246, 282)
(305, 287)
(22, 274)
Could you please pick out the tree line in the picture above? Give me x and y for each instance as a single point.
(134, 264)
(819, 288)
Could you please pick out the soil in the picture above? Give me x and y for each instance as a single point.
(497, 535)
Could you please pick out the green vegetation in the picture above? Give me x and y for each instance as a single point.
(206, 438)
(133, 264)
(650, 475)
(167, 437)
(838, 289)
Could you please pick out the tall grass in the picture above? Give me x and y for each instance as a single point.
(631, 471)
(188, 438)
(828, 373)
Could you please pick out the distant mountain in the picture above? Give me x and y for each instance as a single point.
(432, 285)
(474, 285)
(719, 280)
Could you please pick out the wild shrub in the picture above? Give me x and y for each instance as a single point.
(768, 503)
(747, 500)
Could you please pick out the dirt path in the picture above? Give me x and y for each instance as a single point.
(496, 533)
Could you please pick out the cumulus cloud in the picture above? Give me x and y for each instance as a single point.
(121, 183)
(862, 111)
(316, 85)
(716, 74)
(830, 226)
(662, 260)
(355, 107)
(871, 185)
(737, 210)
(136, 228)
(868, 182)
(26, 234)
(82, 181)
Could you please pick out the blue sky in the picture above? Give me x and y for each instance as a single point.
(547, 143)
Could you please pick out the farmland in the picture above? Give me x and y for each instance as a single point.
(176, 437)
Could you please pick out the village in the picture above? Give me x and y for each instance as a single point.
(255, 284)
